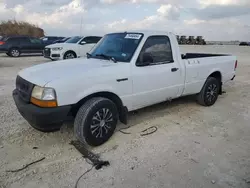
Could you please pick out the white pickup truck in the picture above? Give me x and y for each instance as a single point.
(124, 72)
(74, 47)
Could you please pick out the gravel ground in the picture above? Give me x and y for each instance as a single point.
(194, 146)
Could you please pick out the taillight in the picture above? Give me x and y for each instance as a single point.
(1, 42)
(235, 65)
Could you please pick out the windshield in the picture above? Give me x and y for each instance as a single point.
(73, 40)
(120, 46)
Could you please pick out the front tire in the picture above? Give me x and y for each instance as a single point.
(96, 121)
(209, 93)
(69, 55)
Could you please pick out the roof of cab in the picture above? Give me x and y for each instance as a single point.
(145, 32)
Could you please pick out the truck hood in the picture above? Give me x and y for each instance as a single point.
(47, 72)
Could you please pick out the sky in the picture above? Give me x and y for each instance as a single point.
(213, 19)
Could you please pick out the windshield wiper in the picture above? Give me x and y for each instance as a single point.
(107, 57)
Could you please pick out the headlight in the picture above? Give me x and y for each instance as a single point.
(56, 49)
(43, 97)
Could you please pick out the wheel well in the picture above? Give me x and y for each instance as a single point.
(68, 52)
(111, 96)
(13, 48)
(218, 76)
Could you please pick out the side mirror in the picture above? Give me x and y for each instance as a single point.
(82, 42)
(144, 60)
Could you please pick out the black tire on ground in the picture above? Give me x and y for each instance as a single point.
(96, 121)
(14, 52)
(69, 55)
(209, 93)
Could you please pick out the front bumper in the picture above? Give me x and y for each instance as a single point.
(54, 57)
(43, 119)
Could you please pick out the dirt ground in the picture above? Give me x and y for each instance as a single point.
(194, 147)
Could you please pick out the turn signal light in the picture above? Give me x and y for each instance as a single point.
(44, 104)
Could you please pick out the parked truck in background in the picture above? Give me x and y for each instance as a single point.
(183, 39)
(200, 40)
(191, 40)
(124, 72)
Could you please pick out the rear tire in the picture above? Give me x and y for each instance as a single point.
(14, 52)
(96, 121)
(209, 93)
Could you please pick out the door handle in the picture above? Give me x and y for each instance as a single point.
(174, 69)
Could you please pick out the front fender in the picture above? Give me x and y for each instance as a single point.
(93, 90)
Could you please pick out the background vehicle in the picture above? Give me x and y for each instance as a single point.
(124, 72)
(15, 45)
(244, 44)
(191, 40)
(183, 39)
(72, 48)
(61, 40)
(200, 40)
(47, 40)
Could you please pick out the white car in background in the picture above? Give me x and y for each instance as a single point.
(74, 47)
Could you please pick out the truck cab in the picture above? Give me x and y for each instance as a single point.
(125, 71)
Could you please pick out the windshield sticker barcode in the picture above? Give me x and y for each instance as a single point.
(133, 36)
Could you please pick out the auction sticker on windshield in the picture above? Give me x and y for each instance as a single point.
(133, 36)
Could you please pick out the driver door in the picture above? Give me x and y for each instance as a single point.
(156, 76)
(86, 44)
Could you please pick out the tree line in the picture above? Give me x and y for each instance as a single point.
(13, 27)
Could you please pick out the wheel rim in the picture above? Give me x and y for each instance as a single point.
(69, 56)
(101, 123)
(211, 92)
(15, 53)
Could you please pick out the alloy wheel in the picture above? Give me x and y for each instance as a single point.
(15, 53)
(101, 123)
(211, 93)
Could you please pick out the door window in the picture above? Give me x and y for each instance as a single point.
(96, 39)
(45, 38)
(35, 41)
(157, 50)
(23, 40)
(91, 40)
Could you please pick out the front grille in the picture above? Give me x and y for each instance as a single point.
(24, 89)
(47, 52)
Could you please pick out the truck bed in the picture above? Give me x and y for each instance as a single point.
(200, 55)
